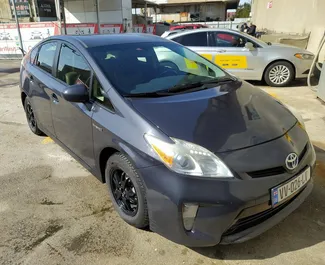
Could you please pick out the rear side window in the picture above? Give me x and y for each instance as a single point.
(46, 56)
(72, 67)
(194, 39)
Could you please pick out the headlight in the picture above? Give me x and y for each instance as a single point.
(188, 158)
(304, 56)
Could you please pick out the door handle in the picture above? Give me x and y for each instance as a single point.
(222, 51)
(55, 99)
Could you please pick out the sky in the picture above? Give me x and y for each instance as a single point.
(244, 1)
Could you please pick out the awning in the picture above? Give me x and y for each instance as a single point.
(142, 3)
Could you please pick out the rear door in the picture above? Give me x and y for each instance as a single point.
(42, 83)
(231, 54)
(73, 121)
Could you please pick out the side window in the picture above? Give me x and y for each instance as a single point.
(72, 67)
(97, 94)
(194, 39)
(46, 56)
(223, 39)
(33, 54)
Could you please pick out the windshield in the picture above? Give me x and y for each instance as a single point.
(139, 68)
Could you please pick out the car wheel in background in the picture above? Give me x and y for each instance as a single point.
(31, 119)
(279, 74)
(127, 191)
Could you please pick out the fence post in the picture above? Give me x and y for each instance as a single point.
(18, 29)
(230, 24)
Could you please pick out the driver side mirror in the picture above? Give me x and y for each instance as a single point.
(249, 46)
(76, 93)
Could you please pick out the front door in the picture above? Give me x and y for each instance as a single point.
(73, 121)
(230, 53)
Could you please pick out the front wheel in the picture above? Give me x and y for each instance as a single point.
(279, 74)
(127, 191)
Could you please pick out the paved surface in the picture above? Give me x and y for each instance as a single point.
(52, 211)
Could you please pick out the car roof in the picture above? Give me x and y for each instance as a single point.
(97, 40)
(204, 30)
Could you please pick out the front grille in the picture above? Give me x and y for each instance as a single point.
(275, 170)
(267, 172)
(253, 220)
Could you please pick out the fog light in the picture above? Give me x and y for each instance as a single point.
(189, 212)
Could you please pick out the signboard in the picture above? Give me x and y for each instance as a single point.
(22, 8)
(82, 28)
(111, 28)
(46, 8)
(31, 34)
(269, 4)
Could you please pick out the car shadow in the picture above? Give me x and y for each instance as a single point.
(304, 228)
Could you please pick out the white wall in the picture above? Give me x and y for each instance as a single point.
(84, 11)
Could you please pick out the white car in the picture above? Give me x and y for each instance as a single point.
(247, 57)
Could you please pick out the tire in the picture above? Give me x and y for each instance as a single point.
(119, 162)
(32, 124)
(279, 74)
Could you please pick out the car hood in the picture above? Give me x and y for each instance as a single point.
(293, 48)
(227, 117)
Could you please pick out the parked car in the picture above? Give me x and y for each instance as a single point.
(5, 36)
(187, 26)
(36, 35)
(247, 57)
(198, 155)
(171, 32)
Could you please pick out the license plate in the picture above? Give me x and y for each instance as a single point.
(282, 192)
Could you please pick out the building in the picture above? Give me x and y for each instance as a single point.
(291, 17)
(194, 10)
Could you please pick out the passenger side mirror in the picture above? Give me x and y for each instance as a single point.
(76, 93)
(249, 46)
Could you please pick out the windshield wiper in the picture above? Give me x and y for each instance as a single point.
(184, 87)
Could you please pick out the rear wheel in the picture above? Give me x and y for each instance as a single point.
(127, 191)
(31, 119)
(279, 74)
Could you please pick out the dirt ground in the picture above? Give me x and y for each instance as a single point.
(52, 211)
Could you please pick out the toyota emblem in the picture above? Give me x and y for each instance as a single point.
(292, 161)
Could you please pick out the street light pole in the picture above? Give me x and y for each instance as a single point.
(18, 29)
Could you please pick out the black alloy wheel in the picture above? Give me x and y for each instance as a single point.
(31, 119)
(124, 192)
(30, 116)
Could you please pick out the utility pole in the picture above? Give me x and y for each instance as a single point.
(58, 14)
(97, 14)
(18, 29)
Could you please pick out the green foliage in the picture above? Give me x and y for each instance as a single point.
(243, 11)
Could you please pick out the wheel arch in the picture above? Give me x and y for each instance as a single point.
(137, 158)
(23, 96)
(279, 60)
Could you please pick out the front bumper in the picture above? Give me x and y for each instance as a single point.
(302, 67)
(223, 203)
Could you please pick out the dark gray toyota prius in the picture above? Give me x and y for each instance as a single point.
(185, 148)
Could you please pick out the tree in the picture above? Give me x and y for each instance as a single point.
(243, 11)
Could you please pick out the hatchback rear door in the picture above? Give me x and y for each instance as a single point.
(41, 84)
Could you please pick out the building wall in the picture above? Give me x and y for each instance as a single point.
(289, 16)
(5, 13)
(84, 11)
(292, 16)
(213, 10)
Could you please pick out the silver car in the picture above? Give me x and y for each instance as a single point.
(247, 57)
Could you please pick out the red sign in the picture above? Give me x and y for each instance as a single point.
(111, 28)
